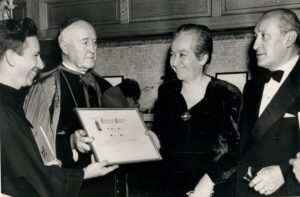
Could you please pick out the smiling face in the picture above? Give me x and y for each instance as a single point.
(80, 46)
(29, 63)
(183, 59)
(270, 43)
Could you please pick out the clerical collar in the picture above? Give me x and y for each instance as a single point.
(71, 68)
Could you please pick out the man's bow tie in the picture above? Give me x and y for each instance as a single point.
(276, 75)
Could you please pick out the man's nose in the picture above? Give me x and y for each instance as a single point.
(256, 43)
(92, 46)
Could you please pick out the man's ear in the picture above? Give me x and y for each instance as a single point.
(291, 37)
(10, 57)
(64, 47)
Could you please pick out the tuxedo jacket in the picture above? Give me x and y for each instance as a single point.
(272, 138)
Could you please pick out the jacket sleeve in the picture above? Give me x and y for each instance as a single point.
(160, 123)
(22, 164)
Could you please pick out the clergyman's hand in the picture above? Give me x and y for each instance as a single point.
(267, 180)
(54, 162)
(204, 188)
(98, 169)
(5, 195)
(80, 141)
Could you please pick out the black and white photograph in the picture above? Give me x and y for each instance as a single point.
(150, 98)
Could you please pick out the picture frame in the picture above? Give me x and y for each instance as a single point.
(120, 135)
(238, 79)
(114, 80)
(298, 114)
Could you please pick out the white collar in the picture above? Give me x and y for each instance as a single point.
(72, 68)
(273, 86)
(287, 67)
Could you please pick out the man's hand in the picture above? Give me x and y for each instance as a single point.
(5, 195)
(267, 180)
(98, 169)
(80, 141)
(204, 188)
(154, 137)
(54, 162)
(296, 166)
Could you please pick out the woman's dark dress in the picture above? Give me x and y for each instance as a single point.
(199, 140)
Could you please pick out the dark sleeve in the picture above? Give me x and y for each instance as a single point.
(227, 148)
(292, 183)
(160, 124)
(26, 175)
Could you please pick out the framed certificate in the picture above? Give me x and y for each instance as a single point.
(119, 135)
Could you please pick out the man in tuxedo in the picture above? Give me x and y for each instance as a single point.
(269, 126)
(73, 84)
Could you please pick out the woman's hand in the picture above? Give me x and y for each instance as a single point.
(204, 188)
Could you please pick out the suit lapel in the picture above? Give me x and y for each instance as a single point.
(250, 111)
(281, 102)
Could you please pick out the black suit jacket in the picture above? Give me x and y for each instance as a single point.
(273, 138)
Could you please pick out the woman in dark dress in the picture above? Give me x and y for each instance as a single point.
(196, 119)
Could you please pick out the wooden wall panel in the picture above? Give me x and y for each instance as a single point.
(153, 10)
(252, 6)
(96, 12)
(127, 18)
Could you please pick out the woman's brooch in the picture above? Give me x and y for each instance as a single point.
(186, 116)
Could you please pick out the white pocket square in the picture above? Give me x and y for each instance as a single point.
(287, 115)
(61, 133)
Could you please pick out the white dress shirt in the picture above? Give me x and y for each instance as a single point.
(272, 86)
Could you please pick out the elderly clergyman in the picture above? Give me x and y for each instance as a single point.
(50, 103)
